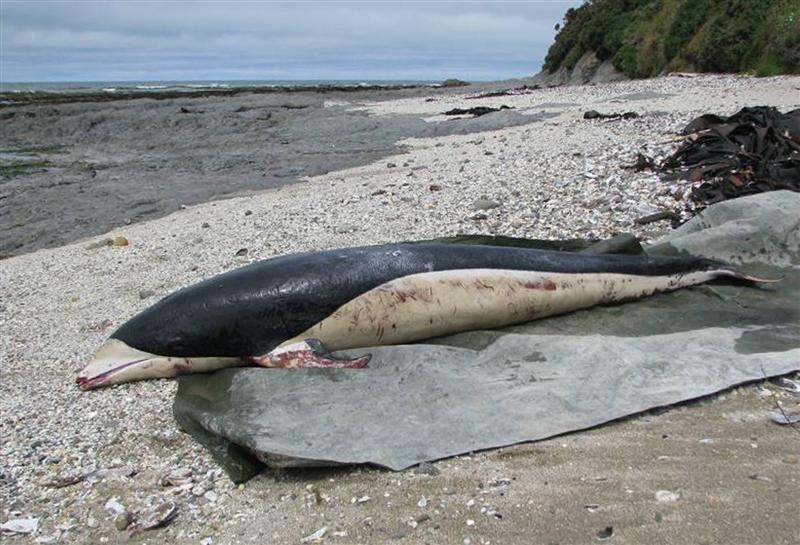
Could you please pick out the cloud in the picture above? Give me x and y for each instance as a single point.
(76, 41)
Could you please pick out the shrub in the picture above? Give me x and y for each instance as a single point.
(645, 37)
(689, 17)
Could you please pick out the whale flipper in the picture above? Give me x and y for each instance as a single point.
(308, 353)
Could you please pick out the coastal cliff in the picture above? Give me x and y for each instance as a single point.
(606, 40)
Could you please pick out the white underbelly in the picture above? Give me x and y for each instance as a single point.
(432, 304)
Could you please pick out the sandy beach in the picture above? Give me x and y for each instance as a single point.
(395, 168)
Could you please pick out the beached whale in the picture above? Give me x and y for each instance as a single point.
(289, 311)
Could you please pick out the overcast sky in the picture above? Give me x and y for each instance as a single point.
(216, 40)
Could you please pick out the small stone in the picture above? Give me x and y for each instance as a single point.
(119, 241)
(248, 212)
(145, 294)
(210, 496)
(205, 225)
(434, 187)
(470, 522)
(479, 217)
(122, 520)
(391, 165)
(206, 541)
(423, 502)
(484, 204)
(605, 533)
(790, 459)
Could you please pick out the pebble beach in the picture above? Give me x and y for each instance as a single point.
(83, 464)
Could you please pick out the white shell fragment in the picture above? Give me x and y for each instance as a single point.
(316, 536)
(114, 507)
(159, 515)
(666, 496)
(20, 526)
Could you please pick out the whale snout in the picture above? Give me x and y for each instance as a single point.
(116, 362)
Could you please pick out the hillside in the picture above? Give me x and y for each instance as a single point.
(643, 38)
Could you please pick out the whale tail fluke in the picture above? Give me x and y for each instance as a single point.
(308, 353)
(737, 276)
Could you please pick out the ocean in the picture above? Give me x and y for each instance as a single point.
(184, 86)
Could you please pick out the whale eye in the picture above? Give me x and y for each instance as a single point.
(176, 342)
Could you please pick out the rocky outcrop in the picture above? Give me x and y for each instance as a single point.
(588, 69)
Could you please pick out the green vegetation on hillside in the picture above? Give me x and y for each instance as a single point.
(646, 37)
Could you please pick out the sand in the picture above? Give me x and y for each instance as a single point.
(707, 472)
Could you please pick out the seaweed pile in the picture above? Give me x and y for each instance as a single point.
(476, 111)
(755, 150)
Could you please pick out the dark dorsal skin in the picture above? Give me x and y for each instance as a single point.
(249, 311)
